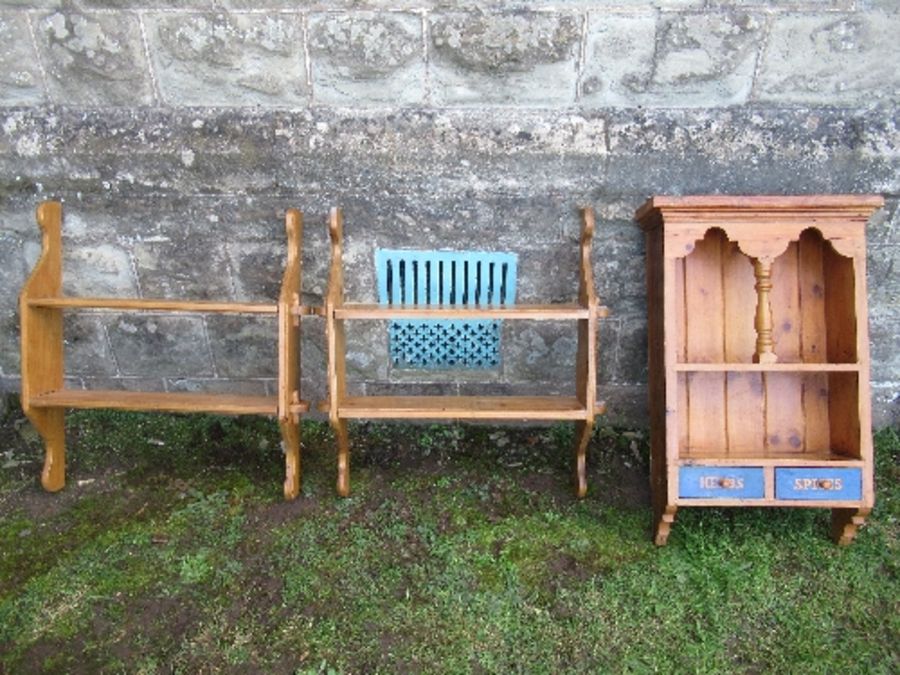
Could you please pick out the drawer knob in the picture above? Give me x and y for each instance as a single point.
(825, 484)
(727, 483)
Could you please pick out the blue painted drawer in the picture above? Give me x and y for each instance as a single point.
(721, 482)
(818, 483)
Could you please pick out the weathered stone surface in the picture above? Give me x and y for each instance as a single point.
(12, 271)
(20, 76)
(243, 346)
(187, 265)
(831, 59)
(512, 58)
(785, 4)
(218, 386)
(124, 383)
(9, 343)
(159, 345)
(119, 153)
(367, 350)
(228, 59)
(86, 347)
(885, 405)
(367, 58)
(670, 60)
(538, 350)
(101, 270)
(94, 58)
(741, 151)
(629, 350)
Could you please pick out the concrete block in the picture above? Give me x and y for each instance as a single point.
(243, 346)
(159, 345)
(688, 59)
(228, 59)
(86, 347)
(20, 76)
(366, 58)
(100, 270)
(183, 265)
(504, 58)
(94, 59)
(831, 59)
(785, 5)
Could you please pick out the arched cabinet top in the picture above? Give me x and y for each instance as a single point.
(762, 226)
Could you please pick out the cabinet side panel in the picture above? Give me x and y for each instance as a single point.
(705, 343)
(744, 396)
(657, 365)
(840, 307)
(843, 411)
(813, 339)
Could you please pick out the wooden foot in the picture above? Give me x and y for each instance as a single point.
(582, 438)
(845, 522)
(343, 465)
(290, 439)
(51, 425)
(664, 519)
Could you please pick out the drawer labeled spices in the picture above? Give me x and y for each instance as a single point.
(818, 483)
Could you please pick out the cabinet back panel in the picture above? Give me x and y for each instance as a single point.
(704, 300)
(767, 414)
(812, 286)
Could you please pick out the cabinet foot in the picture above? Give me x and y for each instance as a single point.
(51, 425)
(343, 463)
(582, 438)
(290, 439)
(845, 522)
(664, 519)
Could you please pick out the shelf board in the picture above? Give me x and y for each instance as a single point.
(228, 404)
(558, 312)
(767, 367)
(158, 305)
(801, 503)
(721, 458)
(463, 407)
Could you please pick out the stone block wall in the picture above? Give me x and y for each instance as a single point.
(178, 133)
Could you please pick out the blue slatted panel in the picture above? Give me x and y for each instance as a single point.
(445, 278)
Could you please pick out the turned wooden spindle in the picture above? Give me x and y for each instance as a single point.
(765, 352)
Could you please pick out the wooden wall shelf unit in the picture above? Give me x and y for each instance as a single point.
(759, 354)
(44, 397)
(580, 408)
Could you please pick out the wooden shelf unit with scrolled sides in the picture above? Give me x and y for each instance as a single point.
(580, 408)
(759, 354)
(45, 399)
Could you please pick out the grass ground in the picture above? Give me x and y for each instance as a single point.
(460, 550)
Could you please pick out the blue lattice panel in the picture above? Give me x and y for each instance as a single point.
(445, 278)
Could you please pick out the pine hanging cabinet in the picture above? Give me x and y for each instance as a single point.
(759, 354)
